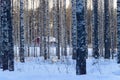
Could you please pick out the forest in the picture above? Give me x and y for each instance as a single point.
(69, 38)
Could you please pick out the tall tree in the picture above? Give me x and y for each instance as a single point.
(56, 25)
(65, 27)
(81, 38)
(89, 20)
(48, 28)
(41, 27)
(106, 29)
(11, 43)
(95, 30)
(0, 37)
(45, 29)
(58, 29)
(61, 28)
(21, 50)
(101, 26)
(118, 30)
(112, 27)
(7, 42)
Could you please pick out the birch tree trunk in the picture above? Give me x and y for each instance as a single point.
(101, 26)
(65, 27)
(112, 27)
(55, 25)
(48, 28)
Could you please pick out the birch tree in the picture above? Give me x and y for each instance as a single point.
(55, 24)
(101, 26)
(48, 28)
(65, 27)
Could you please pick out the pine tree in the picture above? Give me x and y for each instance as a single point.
(21, 51)
(118, 31)
(106, 29)
(95, 31)
(81, 38)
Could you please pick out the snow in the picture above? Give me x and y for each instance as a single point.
(39, 69)
(36, 50)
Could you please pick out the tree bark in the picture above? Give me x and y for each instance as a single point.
(7, 39)
(107, 29)
(118, 31)
(81, 38)
(95, 31)
(21, 50)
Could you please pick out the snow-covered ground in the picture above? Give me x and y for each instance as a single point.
(65, 69)
(38, 69)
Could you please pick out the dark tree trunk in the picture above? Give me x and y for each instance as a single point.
(0, 36)
(74, 30)
(118, 31)
(107, 29)
(21, 51)
(45, 29)
(81, 38)
(58, 31)
(7, 39)
(95, 31)
(11, 44)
